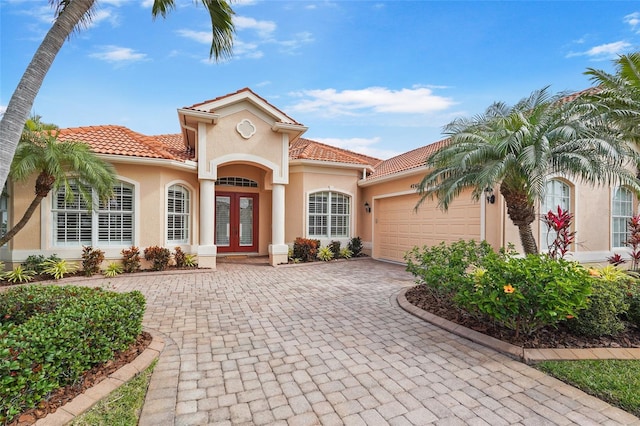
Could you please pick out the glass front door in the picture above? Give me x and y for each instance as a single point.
(236, 222)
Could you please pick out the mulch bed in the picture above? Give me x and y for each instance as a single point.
(548, 337)
(92, 377)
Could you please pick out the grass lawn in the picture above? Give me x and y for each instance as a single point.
(122, 407)
(614, 381)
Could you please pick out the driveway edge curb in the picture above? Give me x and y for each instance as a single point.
(529, 356)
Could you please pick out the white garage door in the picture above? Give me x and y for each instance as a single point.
(398, 227)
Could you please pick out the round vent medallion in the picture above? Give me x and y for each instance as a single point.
(246, 128)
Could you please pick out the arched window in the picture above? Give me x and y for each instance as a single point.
(329, 214)
(558, 193)
(236, 181)
(621, 212)
(111, 223)
(178, 214)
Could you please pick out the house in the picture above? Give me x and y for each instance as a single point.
(240, 178)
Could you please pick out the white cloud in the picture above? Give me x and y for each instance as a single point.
(119, 55)
(417, 100)
(604, 51)
(240, 3)
(241, 49)
(361, 145)
(104, 15)
(264, 28)
(3, 109)
(633, 19)
(299, 40)
(255, 35)
(204, 37)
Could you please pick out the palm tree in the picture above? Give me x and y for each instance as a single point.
(618, 97)
(518, 147)
(72, 15)
(57, 164)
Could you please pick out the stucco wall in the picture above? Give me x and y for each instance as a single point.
(150, 183)
(591, 207)
(223, 140)
(306, 179)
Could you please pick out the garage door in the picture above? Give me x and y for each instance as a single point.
(398, 227)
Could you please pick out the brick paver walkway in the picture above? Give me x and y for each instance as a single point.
(327, 344)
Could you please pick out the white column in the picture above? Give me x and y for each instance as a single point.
(207, 250)
(278, 250)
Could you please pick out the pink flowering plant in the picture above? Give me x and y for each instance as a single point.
(634, 241)
(560, 222)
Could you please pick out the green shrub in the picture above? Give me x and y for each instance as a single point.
(325, 254)
(131, 259)
(525, 294)
(159, 256)
(57, 269)
(633, 313)
(34, 263)
(61, 333)
(355, 245)
(442, 268)
(113, 270)
(37, 262)
(305, 249)
(18, 275)
(345, 253)
(334, 246)
(91, 260)
(190, 260)
(606, 307)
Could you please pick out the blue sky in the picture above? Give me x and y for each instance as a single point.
(376, 77)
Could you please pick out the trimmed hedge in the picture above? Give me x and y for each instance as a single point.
(50, 336)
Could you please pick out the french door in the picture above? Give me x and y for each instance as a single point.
(236, 222)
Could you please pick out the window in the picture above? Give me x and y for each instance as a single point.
(111, 223)
(622, 211)
(558, 193)
(329, 215)
(178, 210)
(236, 181)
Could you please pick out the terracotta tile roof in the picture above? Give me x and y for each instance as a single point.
(119, 140)
(311, 150)
(409, 160)
(246, 89)
(174, 143)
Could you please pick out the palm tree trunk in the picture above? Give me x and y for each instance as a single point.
(25, 218)
(522, 213)
(21, 101)
(527, 239)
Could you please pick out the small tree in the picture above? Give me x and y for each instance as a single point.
(634, 241)
(560, 223)
(57, 164)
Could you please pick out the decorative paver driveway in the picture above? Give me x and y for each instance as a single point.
(327, 344)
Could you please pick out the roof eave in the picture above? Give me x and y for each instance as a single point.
(294, 130)
(200, 116)
(188, 165)
(322, 163)
(392, 176)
